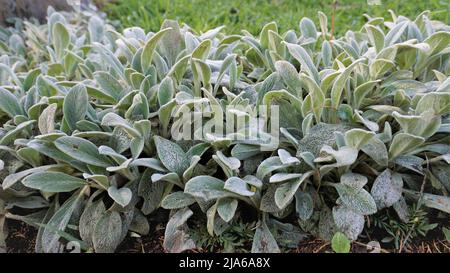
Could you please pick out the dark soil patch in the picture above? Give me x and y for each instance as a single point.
(152, 243)
(22, 239)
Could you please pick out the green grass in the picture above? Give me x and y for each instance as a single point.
(253, 14)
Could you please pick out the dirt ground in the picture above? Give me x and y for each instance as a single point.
(21, 239)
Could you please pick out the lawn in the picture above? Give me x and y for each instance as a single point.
(253, 14)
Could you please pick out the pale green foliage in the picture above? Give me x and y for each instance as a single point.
(87, 113)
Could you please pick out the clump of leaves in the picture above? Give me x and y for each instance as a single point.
(87, 116)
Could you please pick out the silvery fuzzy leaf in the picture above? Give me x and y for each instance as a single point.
(96, 29)
(238, 186)
(206, 187)
(387, 189)
(82, 150)
(304, 205)
(282, 177)
(268, 165)
(359, 201)
(151, 192)
(177, 200)
(60, 39)
(53, 182)
(9, 103)
(149, 49)
(286, 158)
(442, 173)
(327, 53)
(376, 37)
(75, 105)
(402, 210)
(58, 222)
(404, 143)
(284, 194)
(437, 101)
(264, 34)
(151, 163)
(432, 201)
(176, 238)
(339, 84)
(228, 164)
(107, 233)
(263, 241)
(245, 151)
(307, 28)
(424, 125)
(437, 42)
(345, 156)
(362, 91)
(168, 177)
(326, 225)
(357, 138)
(286, 234)
(395, 33)
(302, 56)
(380, 67)
(28, 202)
(171, 155)
(13, 178)
(109, 84)
(267, 203)
(354, 180)
(320, 135)
(105, 150)
(139, 224)
(226, 208)
(290, 76)
(121, 196)
(253, 181)
(89, 218)
(411, 162)
(376, 149)
(46, 121)
(348, 222)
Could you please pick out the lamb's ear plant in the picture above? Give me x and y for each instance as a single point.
(88, 116)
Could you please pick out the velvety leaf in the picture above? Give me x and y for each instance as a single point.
(171, 155)
(348, 222)
(238, 186)
(46, 121)
(107, 232)
(176, 238)
(404, 143)
(206, 187)
(226, 208)
(82, 150)
(58, 223)
(263, 241)
(121, 196)
(177, 200)
(9, 103)
(53, 182)
(75, 105)
(304, 205)
(88, 220)
(359, 201)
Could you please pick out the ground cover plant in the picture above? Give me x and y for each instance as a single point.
(89, 155)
